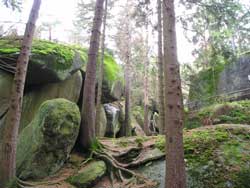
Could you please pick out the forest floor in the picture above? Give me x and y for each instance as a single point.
(122, 157)
(216, 156)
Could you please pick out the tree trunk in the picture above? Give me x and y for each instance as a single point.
(146, 101)
(101, 69)
(87, 130)
(175, 168)
(160, 72)
(8, 142)
(50, 33)
(126, 128)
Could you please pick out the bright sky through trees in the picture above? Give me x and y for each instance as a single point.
(64, 11)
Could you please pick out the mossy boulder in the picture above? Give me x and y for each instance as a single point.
(45, 144)
(216, 157)
(230, 112)
(52, 62)
(88, 175)
(69, 89)
(49, 62)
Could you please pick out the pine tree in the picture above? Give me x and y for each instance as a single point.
(175, 168)
(160, 71)
(100, 75)
(87, 130)
(8, 142)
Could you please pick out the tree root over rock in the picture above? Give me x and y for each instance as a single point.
(126, 177)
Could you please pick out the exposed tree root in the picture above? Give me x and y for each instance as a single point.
(26, 184)
(127, 178)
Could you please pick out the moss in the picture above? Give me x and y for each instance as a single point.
(112, 70)
(38, 155)
(140, 139)
(96, 145)
(242, 178)
(216, 157)
(123, 142)
(230, 112)
(63, 55)
(88, 175)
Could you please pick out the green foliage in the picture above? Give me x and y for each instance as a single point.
(96, 145)
(160, 143)
(204, 84)
(221, 23)
(111, 69)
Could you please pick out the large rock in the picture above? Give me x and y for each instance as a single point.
(69, 89)
(235, 77)
(136, 128)
(49, 62)
(88, 175)
(102, 123)
(216, 157)
(113, 114)
(45, 144)
(5, 91)
(229, 81)
(113, 92)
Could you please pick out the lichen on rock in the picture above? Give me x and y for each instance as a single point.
(45, 144)
(88, 175)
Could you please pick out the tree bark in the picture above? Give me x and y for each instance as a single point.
(8, 142)
(87, 129)
(175, 168)
(146, 101)
(161, 86)
(126, 128)
(101, 69)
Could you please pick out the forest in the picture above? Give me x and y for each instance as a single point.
(125, 94)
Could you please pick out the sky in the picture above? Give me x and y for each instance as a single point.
(64, 12)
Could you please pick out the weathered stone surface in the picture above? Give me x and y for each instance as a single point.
(88, 175)
(69, 89)
(49, 62)
(45, 144)
(136, 128)
(112, 114)
(5, 91)
(102, 123)
(235, 77)
(216, 156)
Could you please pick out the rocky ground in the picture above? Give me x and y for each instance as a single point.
(216, 157)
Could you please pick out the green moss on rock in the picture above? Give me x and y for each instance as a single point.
(68, 89)
(231, 112)
(49, 61)
(45, 144)
(88, 175)
(216, 157)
